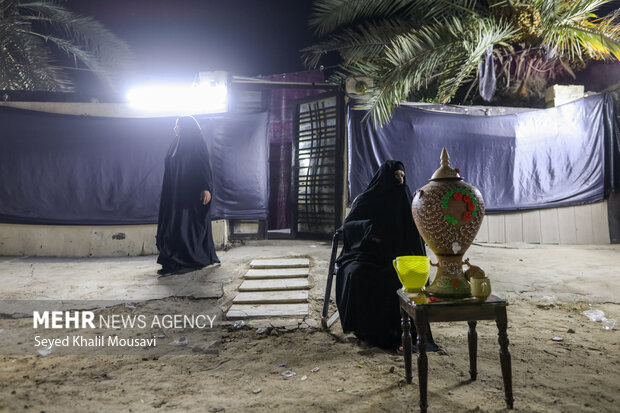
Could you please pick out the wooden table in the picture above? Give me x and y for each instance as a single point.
(424, 311)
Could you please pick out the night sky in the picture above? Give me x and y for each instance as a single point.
(173, 40)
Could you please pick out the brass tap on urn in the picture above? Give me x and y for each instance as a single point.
(448, 213)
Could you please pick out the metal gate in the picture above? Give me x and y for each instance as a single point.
(318, 166)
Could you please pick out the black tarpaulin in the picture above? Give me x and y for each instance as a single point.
(554, 157)
(82, 170)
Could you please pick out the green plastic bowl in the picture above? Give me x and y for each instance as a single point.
(412, 272)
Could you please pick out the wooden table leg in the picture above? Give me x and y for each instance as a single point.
(472, 341)
(406, 341)
(421, 325)
(504, 354)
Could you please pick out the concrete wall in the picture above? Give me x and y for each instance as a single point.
(117, 110)
(582, 224)
(88, 241)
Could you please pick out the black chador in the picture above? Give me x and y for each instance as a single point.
(378, 228)
(184, 236)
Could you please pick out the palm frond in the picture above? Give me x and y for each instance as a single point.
(598, 45)
(573, 28)
(329, 15)
(82, 38)
(430, 49)
(481, 35)
(25, 62)
(26, 71)
(364, 42)
(28, 30)
(447, 52)
(563, 12)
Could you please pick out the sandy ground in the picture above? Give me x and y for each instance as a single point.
(548, 288)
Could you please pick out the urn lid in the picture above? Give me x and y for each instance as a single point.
(445, 171)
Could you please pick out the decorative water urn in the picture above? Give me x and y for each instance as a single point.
(448, 213)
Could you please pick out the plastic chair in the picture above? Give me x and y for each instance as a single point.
(326, 320)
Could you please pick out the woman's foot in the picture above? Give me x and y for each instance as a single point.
(167, 271)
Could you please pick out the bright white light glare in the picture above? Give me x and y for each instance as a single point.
(180, 99)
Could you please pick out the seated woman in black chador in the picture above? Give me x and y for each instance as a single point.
(184, 235)
(379, 228)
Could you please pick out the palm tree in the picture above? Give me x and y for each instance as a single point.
(33, 32)
(431, 49)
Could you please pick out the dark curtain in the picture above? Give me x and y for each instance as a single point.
(82, 170)
(281, 114)
(239, 149)
(554, 157)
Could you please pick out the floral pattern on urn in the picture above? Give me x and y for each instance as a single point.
(448, 213)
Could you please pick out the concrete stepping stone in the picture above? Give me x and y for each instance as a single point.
(275, 285)
(267, 310)
(281, 263)
(272, 297)
(265, 273)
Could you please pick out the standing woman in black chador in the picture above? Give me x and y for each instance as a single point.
(379, 228)
(184, 236)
